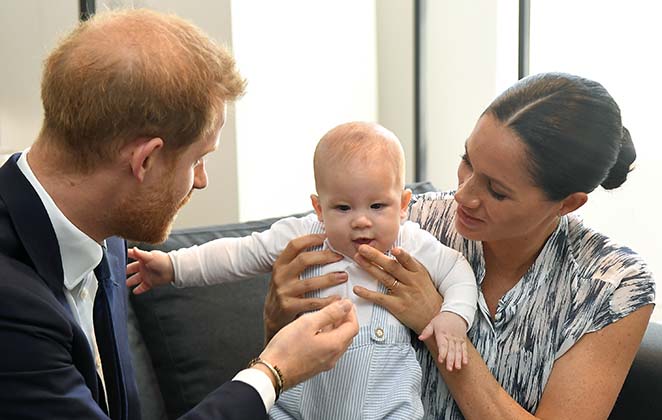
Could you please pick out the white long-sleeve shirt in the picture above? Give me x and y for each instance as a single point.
(228, 259)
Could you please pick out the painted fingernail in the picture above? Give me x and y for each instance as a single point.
(340, 276)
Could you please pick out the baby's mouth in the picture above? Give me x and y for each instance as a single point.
(362, 241)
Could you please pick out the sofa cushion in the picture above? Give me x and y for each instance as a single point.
(199, 338)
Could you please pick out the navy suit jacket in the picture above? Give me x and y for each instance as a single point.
(46, 366)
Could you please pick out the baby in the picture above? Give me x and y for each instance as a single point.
(359, 176)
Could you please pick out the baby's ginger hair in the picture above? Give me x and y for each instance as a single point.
(366, 143)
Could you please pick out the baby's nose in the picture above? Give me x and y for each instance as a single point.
(361, 222)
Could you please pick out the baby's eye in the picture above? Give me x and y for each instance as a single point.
(377, 206)
(342, 207)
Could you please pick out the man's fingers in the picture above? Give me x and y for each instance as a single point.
(331, 315)
(345, 329)
(301, 305)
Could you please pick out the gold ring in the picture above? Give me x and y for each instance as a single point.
(394, 285)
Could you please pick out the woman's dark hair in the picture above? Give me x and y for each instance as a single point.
(572, 129)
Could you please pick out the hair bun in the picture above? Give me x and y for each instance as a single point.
(626, 156)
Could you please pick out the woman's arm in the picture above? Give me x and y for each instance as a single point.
(584, 382)
(603, 359)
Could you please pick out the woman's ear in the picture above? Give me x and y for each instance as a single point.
(141, 155)
(315, 200)
(404, 203)
(572, 202)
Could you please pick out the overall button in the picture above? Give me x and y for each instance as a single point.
(379, 333)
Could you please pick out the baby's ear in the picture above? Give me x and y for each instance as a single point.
(404, 204)
(315, 200)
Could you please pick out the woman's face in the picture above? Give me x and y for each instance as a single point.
(496, 197)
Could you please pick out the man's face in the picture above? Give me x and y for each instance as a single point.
(149, 216)
(360, 204)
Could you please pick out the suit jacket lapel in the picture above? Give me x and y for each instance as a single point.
(33, 226)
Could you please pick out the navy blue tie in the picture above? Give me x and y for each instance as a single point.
(104, 334)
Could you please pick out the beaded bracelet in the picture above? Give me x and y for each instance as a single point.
(280, 381)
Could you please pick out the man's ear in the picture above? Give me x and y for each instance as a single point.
(572, 202)
(404, 203)
(142, 154)
(315, 200)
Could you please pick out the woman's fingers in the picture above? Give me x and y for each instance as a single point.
(291, 269)
(296, 245)
(386, 269)
(408, 262)
(375, 271)
(301, 288)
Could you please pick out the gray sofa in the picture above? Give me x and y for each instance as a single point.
(186, 342)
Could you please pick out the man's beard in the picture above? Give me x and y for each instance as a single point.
(149, 218)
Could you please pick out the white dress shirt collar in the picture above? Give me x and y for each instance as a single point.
(79, 253)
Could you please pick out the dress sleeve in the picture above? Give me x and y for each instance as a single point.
(229, 259)
(635, 288)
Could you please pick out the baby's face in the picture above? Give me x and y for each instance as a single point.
(361, 205)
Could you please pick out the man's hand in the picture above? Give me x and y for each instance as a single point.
(313, 343)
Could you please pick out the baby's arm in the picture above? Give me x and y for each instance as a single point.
(150, 269)
(457, 284)
(221, 260)
(449, 331)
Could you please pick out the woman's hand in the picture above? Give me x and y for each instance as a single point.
(413, 298)
(286, 296)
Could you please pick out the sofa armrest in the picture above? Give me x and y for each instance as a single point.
(641, 396)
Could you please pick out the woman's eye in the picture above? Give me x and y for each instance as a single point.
(377, 206)
(496, 195)
(465, 159)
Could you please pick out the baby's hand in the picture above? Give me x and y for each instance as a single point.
(150, 269)
(449, 331)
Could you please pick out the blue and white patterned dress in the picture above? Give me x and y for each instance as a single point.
(580, 283)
